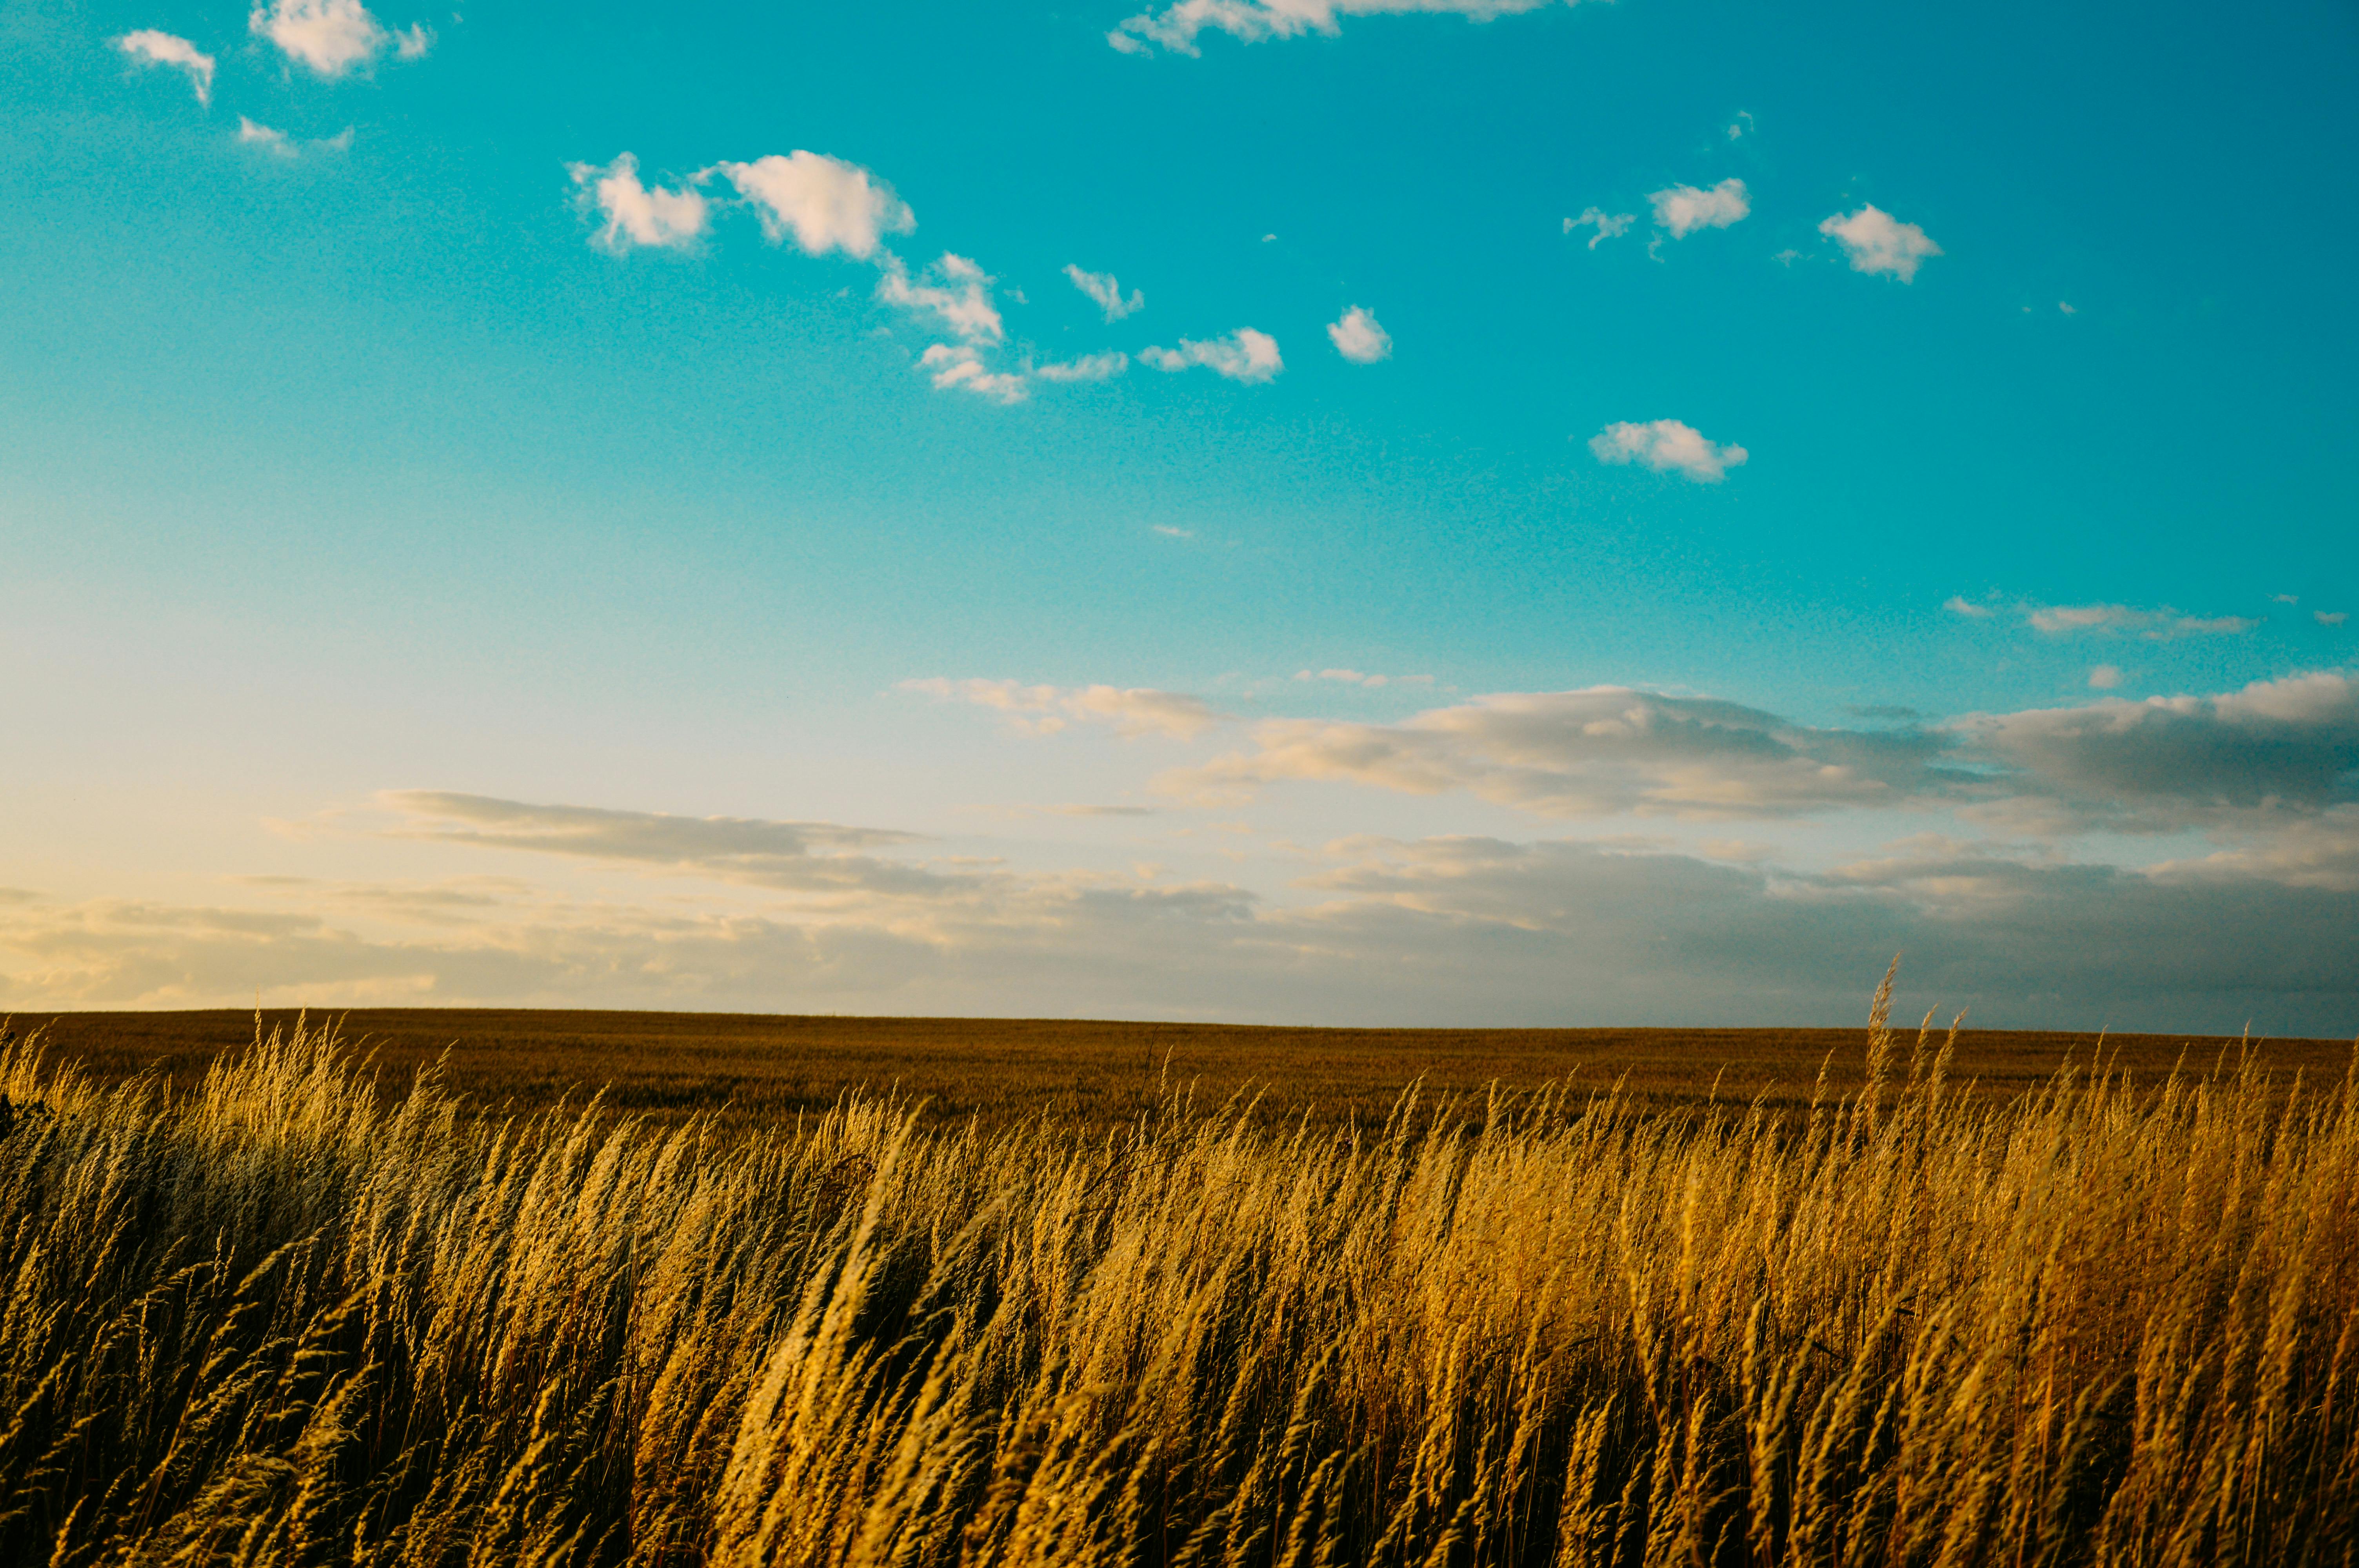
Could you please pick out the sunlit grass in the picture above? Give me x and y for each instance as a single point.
(284, 1319)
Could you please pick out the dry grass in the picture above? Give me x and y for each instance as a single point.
(282, 1320)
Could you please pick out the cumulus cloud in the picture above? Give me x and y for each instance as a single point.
(149, 46)
(825, 203)
(1358, 337)
(1088, 367)
(2105, 677)
(636, 214)
(1879, 242)
(1682, 210)
(1609, 225)
(2329, 616)
(2160, 624)
(954, 290)
(1102, 287)
(1664, 445)
(1177, 26)
(1132, 712)
(413, 41)
(1598, 751)
(1244, 355)
(330, 37)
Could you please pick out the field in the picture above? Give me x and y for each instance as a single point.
(267, 1308)
(770, 1068)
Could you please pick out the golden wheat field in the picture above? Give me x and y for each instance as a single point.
(288, 1311)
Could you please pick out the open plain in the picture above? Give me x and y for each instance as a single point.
(762, 1067)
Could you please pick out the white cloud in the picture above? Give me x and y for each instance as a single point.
(1088, 367)
(1609, 225)
(1877, 243)
(635, 214)
(1169, 532)
(1177, 27)
(960, 366)
(1958, 604)
(152, 48)
(1102, 287)
(2161, 624)
(269, 140)
(826, 203)
(1682, 210)
(2105, 677)
(1244, 355)
(413, 41)
(2330, 617)
(1740, 127)
(329, 36)
(1045, 710)
(1358, 337)
(954, 290)
(1664, 445)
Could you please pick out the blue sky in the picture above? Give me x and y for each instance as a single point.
(494, 499)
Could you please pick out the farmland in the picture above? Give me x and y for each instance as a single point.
(296, 1311)
(762, 1069)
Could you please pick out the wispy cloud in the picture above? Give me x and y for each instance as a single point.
(1244, 355)
(954, 290)
(2160, 624)
(1879, 242)
(636, 214)
(1682, 210)
(1609, 225)
(1958, 604)
(1664, 446)
(278, 143)
(824, 202)
(1106, 291)
(1177, 27)
(1131, 711)
(149, 46)
(1088, 367)
(1599, 752)
(806, 856)
(961, 366)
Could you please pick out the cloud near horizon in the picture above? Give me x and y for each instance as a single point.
(1380, 930)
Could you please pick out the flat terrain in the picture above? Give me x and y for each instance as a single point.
(768, 1066)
